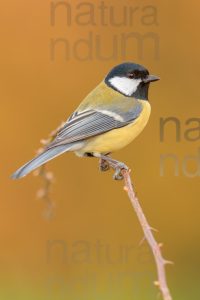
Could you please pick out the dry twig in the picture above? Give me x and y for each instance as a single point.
(47, 177)
(161, 283)
(44, 192)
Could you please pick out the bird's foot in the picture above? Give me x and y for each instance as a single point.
(118, 171)
(103, 165)
(106, 162)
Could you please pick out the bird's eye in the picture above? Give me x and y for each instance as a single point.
(131, 75)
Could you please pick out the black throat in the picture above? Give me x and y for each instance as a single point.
(142, 91)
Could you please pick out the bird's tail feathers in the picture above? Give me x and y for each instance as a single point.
(41, 159)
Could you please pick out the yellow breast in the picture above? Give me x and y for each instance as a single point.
(118, 138)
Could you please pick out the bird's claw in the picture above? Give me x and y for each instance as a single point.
(118, 171)
(118, 174)
(104, 165)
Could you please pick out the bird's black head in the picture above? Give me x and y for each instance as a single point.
(131, 80)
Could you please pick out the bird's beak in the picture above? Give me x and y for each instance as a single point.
(150, 78)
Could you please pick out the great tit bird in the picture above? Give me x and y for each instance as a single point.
(108, 119)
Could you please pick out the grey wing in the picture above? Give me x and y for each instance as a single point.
(89, 123)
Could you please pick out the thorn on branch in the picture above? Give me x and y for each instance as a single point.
(153, 229)
(157, 283)
(125, 189)
(168, 262)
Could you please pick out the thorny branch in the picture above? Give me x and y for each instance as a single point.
(161, 283)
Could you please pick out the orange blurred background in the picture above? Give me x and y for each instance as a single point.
(90, 249)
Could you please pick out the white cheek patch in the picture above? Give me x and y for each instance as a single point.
(126, 86)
